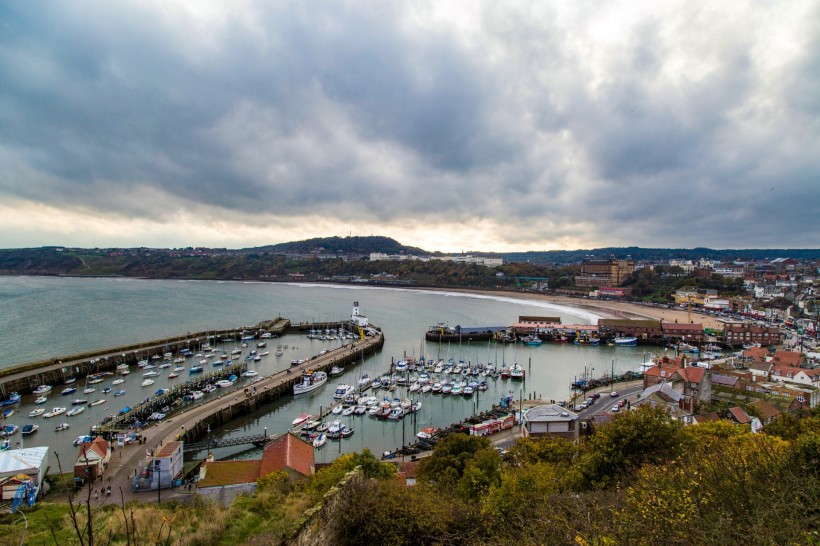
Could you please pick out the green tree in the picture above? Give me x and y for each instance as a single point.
(446, 465)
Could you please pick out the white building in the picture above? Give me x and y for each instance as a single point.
(17, 465)
(357, 318)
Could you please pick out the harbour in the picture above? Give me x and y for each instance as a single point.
(197, 306)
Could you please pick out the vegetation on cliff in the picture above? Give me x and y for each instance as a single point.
(641, 479)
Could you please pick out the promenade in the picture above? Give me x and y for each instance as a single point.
(125, 461)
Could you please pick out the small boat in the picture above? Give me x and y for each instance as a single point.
(8, 430)
(76, 411)
(97, 402)
(337, 370)
(147, 382)
(348, 411)
(79, 402)
(173, 375)
(70, 380)
(12, 399)
(249, 373)
(89, 390)
(531, 340)
(301, 419)
(320, 440)
(8, 413)
(151, 373)
(106, 390)
(337, 410)
(37, 412)
(347, 432)
(426, 433)
(178, 369)
(54, 412)
(342, 391)
(29, 429)
(195, 369)
(118, 381)
(310, 381)
(224, 383)
(42, 389)
(41, 400)
(61, 426)
(119, 392)
(68, 390)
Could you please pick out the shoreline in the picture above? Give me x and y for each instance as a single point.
(604, 308)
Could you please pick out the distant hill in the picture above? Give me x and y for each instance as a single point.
(342, 245)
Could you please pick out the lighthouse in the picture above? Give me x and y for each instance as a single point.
(357, 318)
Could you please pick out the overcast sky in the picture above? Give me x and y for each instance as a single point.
(450, 126)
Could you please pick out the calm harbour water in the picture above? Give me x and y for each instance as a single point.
(46, 317)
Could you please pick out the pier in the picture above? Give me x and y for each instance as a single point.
(194, 422)
(25, 378)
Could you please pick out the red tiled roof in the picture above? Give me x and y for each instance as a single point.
(765, 409)
(740, 416)
(788, 358)
(219, 473)
(692, 374)
(100, 446)
(757, 354)
(668, 370)
(287, 451)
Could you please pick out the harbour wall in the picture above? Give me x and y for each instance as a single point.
(272, 389)
(24, 378)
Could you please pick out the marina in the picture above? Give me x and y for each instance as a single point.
(549, 370)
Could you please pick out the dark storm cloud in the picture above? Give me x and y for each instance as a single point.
(382, 112)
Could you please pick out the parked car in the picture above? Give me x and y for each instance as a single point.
(613, 394)
(615, 409)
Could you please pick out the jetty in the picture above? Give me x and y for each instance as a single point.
(25, 378)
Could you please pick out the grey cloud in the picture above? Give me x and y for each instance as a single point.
(350, 111)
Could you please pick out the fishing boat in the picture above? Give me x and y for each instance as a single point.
(532, 340)
(42, 389)
(320, 440)
(310, 381)
(75, 411)
(97, 402)
(336, 370)
(61, 426)
(68, 390)
(586, 339)
(37, 412)
(29, 429)
(8, 413)
(147, 382)
(625, 341)
(8, 430)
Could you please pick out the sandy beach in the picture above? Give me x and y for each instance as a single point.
(606, 309)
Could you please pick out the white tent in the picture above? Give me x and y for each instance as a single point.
(31, 461)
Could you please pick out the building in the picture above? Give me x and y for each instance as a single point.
(357, 318)
(166, 465)
(551, 420)
(92, 460)
(604, 273)
(642, 329)
(287, 453)
(18, 466)
(736, 335)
